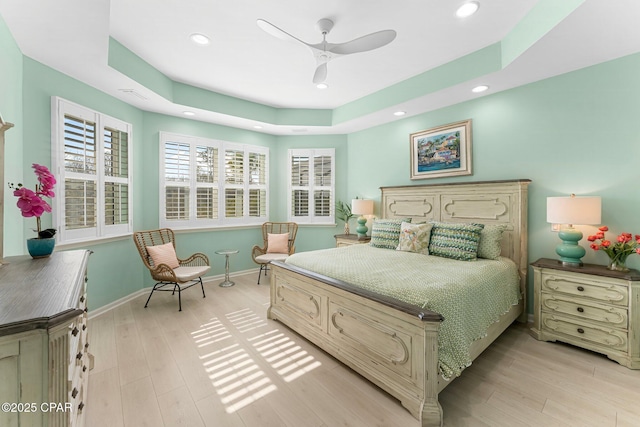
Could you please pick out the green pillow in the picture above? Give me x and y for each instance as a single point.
(455, 240)
(385, 233)
(490, 244)
(415, 238)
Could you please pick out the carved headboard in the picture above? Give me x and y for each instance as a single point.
(490, 202)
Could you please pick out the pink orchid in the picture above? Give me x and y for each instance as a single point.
(31, 203)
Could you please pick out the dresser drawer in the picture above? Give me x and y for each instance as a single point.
(598, 335)
(583, 308)
(575, 284)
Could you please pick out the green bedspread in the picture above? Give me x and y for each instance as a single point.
(471, 295)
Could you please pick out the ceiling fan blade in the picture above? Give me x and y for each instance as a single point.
(321, 73)
(269, 28)
(364, 43)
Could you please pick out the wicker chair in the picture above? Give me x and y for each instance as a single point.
(187, 270)
(262, 255)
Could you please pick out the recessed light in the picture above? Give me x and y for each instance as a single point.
(480, 88)
(257, 127)
(467, 9)
(188, 113)
(322, 85)
(200, 39)
(399, 113)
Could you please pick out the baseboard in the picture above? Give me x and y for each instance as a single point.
(145, 291)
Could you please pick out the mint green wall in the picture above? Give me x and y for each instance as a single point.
(575, 133)
(571, 133)
(11, 111)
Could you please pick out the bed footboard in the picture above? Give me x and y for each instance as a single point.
(395, 349)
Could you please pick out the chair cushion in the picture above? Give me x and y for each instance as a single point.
(184, 274)
(163, 254)
(267, 258)
(278, 243)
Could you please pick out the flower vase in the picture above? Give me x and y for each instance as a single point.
(618, 263)
(41, 248)
(346, 228)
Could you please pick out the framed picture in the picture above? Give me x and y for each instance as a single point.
(441, 151)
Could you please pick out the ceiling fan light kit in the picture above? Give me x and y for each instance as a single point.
(325, 51)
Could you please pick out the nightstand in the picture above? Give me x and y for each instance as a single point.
(589, 307)
(350, 239)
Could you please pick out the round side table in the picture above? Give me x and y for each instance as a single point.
(226, 253)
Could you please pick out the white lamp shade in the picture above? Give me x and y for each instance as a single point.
(574, 210)
(362, 207)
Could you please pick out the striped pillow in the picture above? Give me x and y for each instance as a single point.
(163, 254)
(455, 240)
(385, 233)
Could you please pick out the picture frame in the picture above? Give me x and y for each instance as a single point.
(441, 151)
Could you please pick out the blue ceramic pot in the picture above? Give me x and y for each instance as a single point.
(40, 248)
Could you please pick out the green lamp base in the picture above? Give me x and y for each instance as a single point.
(362, 228)
(569, 250)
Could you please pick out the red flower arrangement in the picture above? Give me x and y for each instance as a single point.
(618, 251)
(31, 203)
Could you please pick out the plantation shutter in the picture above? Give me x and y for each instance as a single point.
(80, 173)
(116, 172)
(176, 176)
(206, 182)
(234, 179)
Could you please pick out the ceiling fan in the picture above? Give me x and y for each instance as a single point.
(325, 51)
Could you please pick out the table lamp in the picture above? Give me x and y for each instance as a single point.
(568, 211)
(362, 207)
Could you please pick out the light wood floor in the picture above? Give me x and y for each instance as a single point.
(220, 362)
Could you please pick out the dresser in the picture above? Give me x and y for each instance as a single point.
(350, 239)
(590, 307)
(44, 345)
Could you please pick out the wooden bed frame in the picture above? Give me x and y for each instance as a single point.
(392, 344)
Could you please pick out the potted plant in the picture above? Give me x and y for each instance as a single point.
(618, 251)
(343, 213)
(32, 204)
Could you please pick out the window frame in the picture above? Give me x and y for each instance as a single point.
(311, 187)
(59, 109)
(193, 222)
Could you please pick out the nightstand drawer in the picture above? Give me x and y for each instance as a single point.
(576, 285)
(616, 317)
(610, 338)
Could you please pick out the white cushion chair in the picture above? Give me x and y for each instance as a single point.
(157, 249)
(278, 243)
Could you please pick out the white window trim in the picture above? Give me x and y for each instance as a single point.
(311, 219)
(221, 221)
(60, 107)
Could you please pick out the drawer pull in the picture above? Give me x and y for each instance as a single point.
(84, 368)
(74, 393)
(580, 330)
(80, 406)
(84, 327)
(86, 345)
(580, 309)
(82, 298)
(79, 356)
(580, 288)
(75, 331)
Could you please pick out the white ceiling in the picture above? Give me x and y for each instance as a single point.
(243, 61)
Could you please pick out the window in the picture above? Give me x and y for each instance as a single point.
(210, 183)
(91, 161)
(311, 186)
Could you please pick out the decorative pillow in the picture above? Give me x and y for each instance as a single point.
(490, 244)
(455, 240)
(385, 233)
(415, 238)
(164, 254)
(278, 243)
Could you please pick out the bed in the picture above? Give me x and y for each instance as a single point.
(390, 341)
